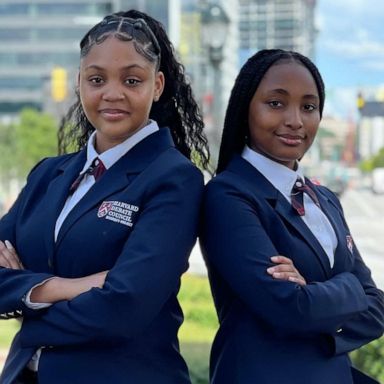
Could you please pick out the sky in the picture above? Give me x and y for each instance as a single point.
(349, 50)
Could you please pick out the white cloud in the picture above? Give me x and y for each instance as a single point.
(355, 48)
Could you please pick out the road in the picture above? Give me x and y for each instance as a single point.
(365, 216)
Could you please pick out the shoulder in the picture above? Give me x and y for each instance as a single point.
(233, 180)
(48, 166)
(173, 163)
(52, 162)
(325, 191)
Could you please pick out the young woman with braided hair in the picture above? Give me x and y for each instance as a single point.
(93, 249)
(292, 293)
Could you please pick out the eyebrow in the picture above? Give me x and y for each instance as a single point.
(284, 92)
(97, 67)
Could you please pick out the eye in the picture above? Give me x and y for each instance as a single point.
(310, 107)
(275, 104)
(96, 80)
(132, 81)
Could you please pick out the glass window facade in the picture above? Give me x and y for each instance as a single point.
(41, 34)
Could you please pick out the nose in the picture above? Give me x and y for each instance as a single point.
(293, 118)
(113, 93)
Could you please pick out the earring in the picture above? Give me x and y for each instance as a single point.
(156, 98)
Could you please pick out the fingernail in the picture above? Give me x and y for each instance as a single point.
(270, 270)
(8, 244)
(274, 258)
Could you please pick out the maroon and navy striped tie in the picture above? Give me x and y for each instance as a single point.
(297, 196)
(96, 169)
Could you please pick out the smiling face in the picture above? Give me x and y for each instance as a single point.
(284, 113)
(117, 87)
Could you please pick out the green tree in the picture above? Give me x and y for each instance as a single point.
(22, 144)
(376, 161)
(7, 151)
(35, 137)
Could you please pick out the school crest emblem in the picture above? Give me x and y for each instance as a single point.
(104, 208)
(349, 243)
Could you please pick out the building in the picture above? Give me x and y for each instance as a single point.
(40, 35)
(370, 129)
(285, 24)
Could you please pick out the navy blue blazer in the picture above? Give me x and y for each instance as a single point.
(139, 221)
(274, 331)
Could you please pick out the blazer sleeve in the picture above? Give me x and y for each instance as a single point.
(238, 249)
(144, 277)
(367, 325)
(14, 284)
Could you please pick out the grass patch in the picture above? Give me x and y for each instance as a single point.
(199, 327)
(8, 329)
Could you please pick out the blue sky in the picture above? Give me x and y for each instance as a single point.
(349, 50)
(350, 44)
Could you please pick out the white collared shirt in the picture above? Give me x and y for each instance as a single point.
(283, 179)
(109, 157)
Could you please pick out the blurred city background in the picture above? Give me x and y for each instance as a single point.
(39, 58)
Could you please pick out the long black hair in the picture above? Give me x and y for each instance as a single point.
(176, 108)
(236, 129)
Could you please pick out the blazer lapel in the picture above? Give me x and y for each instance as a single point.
(120, 175)
(264, 189)
(285, 210)
(343, 255)
(58, 191)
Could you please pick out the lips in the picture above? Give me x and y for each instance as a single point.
(113, 113)
(289, 139)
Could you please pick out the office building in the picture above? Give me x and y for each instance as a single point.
(286, 24)
(40, 35)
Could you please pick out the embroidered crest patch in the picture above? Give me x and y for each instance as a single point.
(349, 243)
(118, 211)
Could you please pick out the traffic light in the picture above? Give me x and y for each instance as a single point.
(360, 101)
(59, 84)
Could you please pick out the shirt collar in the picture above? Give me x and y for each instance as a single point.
(280, 176)
(112, 155)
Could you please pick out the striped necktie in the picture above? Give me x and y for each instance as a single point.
(297, 196)
(96, 169)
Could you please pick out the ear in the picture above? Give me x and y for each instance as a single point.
(159, 85)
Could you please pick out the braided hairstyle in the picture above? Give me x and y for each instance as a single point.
(236, 129)
(176, 108)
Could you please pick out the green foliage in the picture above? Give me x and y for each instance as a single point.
(7, 150)
(197, 356)
(35, 137)
(25, 142)
(8, 329)
(376, 161)
(199, 327)
(370, 359)
(200, 320)
(366, 166)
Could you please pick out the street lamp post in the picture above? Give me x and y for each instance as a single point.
(215, 24)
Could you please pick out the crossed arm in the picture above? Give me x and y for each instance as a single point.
(54, 289)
